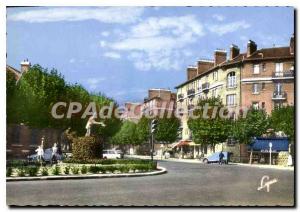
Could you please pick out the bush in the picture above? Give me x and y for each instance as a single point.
(32, 170)
(94, 169)
(84, 169)
(56, 170)
(75, 170)
(21, 172)
(86, 148)
(8, 172)
(44, 171)
(67, 170)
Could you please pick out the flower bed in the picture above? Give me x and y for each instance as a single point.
(72, 167)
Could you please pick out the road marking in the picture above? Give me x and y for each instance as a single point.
(266, 184)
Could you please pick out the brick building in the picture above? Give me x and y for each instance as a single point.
(260, 78)
(159, 101)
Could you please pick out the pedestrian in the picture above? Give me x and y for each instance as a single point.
(221, 156)
(290, 160)
(54, 152)
(40, 153)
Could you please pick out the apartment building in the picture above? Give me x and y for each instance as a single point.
(261, 78)
(132, 112)
(267, 78)
(158, 101)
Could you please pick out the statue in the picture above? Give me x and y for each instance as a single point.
(90, 123)
(54, 152)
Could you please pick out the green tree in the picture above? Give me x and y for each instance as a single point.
(282, 119)
(127, 134)
(255, 124)
(10, 92)
(167, 128)
(212, 130)
(143, 130)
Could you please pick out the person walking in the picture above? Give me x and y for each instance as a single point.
(221, 156)
(54, 153)
(40, 154)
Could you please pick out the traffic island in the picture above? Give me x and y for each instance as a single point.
(77, 169)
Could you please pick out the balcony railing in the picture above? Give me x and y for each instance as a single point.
(282, 95)
(205, 87)
(231, 86)
(191, 92)
(283, 74)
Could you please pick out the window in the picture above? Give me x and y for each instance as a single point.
(279, 69)
(263, 66)
(255, 105)
(215, 75)
(214, 92)
(278, 88)
(230, 99)
(231, 80)
(263, 86)
(255, 88)
(263, 105)
(256, 69)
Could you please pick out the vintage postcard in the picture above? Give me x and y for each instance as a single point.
(150, 106)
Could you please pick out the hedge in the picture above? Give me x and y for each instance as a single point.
(86, 148)
(108, 161)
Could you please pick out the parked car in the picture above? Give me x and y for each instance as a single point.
(111, 154)
(214, 158)
(120, 152)
(47, 156)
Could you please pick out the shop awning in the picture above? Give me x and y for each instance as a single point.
(181, 143)
(193, 144)
(262, 144)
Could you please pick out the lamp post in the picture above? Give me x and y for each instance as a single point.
(270, 145)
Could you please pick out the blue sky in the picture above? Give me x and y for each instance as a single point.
(122, 52)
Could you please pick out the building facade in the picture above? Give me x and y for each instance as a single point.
(260, 78)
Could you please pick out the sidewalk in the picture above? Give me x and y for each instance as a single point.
(261, 166)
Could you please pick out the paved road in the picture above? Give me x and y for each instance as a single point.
(185, 184)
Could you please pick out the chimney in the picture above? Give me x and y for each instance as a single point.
(220, 56)
(25, 65)
(251, 47)
(191, 72)
(204, 65)
(292, 45)
(234, 51)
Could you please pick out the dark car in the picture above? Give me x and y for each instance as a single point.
(47, 156)
(214, 158)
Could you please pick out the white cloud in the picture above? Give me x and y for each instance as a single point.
(159, 42)
(113, 55)
(72, 60)
(93, 83)
(121, 15)
(222, 29)
(105, 33)
(103, 43)
(219, 17)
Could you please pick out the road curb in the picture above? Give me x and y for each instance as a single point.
(161, 170)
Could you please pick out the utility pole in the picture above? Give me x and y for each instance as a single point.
(270, 145)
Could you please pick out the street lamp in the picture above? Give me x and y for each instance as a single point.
(270, 145)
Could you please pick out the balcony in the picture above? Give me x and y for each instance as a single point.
(191, 92)
(279, 95)
(281, 75)
(205, 87)
(231, 85)
(180, 97)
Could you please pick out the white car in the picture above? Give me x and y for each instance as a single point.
(111, 154)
